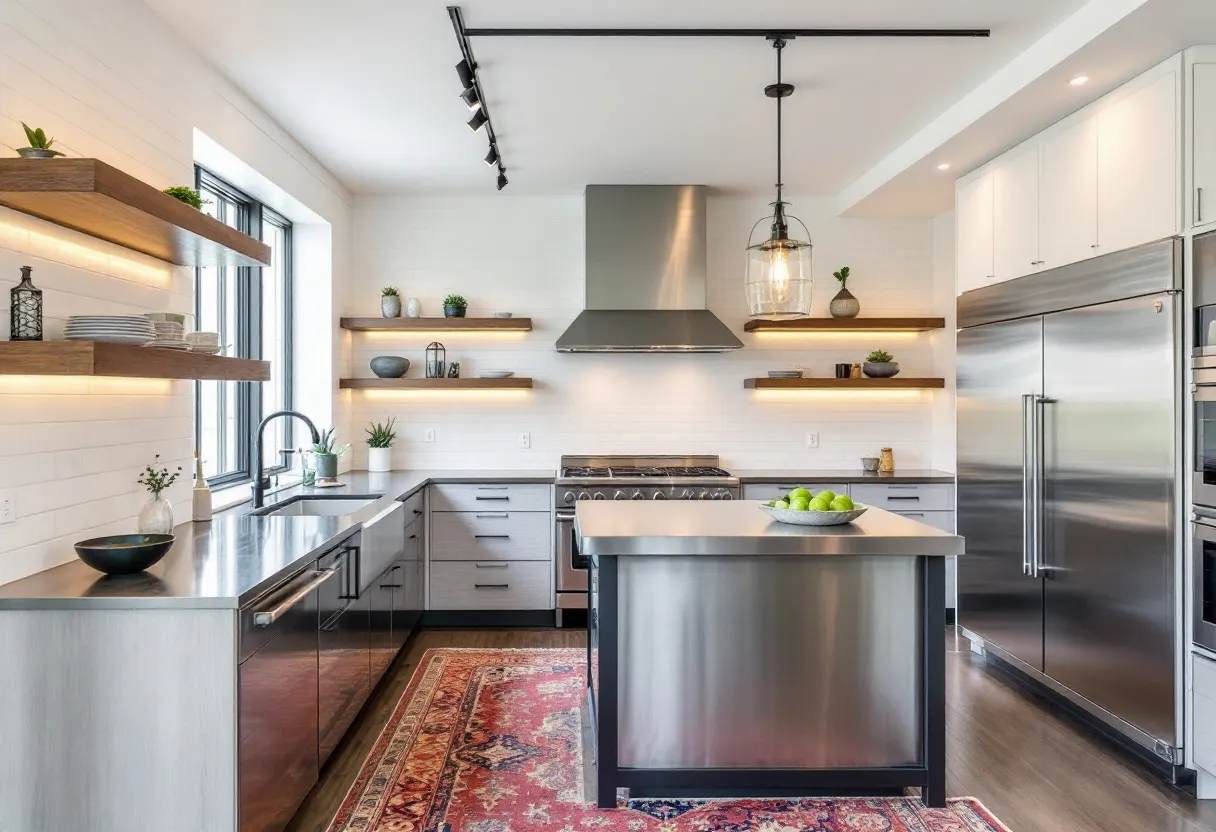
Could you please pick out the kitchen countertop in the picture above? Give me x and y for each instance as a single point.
(235, 558)
(740, 529)
(850, 476)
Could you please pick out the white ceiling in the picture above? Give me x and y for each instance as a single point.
(368, 86)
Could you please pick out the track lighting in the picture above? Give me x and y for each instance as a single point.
(502, 179)
(465, 72)
(470, 99)
(492, 156)
(478, 120)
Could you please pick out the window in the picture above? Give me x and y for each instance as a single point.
(251, 310)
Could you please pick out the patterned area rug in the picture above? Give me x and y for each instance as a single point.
(491, 741)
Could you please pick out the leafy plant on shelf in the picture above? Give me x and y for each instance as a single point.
(188, 195)
(157, 480)
(38, 140)
(390, 292)
(842, 276)
(381, 435)
(879, 357)
(456, 300)
(326, 446)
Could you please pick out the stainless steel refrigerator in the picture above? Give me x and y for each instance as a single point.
(1069, 488)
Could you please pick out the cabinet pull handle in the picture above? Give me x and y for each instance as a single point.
(491, 565)
(265, 618)
(494, 515)
(491, 586)
(912, 514)
(413, 536)
(493, 487)
(1198, 205)
(492, 499)
(492, 536)
(1096, 245)
(417, 511)
(894, 497)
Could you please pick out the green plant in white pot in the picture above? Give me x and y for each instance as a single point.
(327, 456)
(380, 439)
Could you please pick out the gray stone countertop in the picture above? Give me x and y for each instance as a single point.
(851, 477)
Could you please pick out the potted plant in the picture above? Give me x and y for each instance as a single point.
(40, 145)
(188, 195)
(390, 302)
(327, 456)
(844, 305)
(156, 517)
(879, 365)
(454, 306)
(380, 445)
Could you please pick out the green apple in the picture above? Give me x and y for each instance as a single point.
(799, 492)
(842, 503)
(781, 504)
(800, 504)
(825, 495)
(820, 504)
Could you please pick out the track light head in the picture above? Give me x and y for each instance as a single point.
(492, 156)
(470, 99)
(465, 72)
(478, 120)
(502, 179)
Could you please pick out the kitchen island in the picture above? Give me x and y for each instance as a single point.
(730, 655)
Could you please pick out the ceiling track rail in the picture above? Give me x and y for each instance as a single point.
(786, 34)
(466, 54)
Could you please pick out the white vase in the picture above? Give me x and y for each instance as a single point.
(379, 459)
(390, 306)
(413, 308)
(156, 517)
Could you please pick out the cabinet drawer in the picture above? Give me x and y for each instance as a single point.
(491, 535)
(470, 497)
(775, 491)
(493, 585)
(904, 497)
(943, 520)
(1205, 714)
(414, 506)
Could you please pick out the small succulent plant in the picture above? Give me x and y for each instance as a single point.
(390, 292)
(188, 195)
(38, 140)
(326, 446)
(381, 435)
(456, 300)
(842, 276)
(879, 357)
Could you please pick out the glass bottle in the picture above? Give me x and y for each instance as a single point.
(25, 314)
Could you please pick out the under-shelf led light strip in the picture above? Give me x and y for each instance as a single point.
(474, 97)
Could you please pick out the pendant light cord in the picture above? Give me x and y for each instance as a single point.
(779, 44)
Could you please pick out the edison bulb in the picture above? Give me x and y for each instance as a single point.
(779, 267)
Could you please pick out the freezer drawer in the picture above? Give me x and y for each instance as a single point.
(491, 535)
(493, 585)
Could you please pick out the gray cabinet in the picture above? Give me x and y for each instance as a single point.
(380, 621)
(407, 581)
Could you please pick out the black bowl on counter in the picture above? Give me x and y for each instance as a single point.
(124, 554)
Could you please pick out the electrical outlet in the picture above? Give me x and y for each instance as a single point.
(8, 507)
(812, 439)
(525, 440)
(430, 434)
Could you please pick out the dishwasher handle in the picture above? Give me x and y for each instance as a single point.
(264, 618)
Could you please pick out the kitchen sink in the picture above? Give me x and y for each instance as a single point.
(313, 506)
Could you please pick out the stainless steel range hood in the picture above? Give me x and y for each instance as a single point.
(645, 261)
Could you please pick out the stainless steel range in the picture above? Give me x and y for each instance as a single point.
(624, 478)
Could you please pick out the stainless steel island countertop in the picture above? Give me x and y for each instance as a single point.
(235, 558)
(740, 528)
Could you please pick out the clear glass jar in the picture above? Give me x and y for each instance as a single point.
(156, 517)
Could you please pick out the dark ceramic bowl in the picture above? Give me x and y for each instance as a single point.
(390, 366)
(124, 554)
(880, 369)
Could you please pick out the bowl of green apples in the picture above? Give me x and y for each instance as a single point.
(802, 508)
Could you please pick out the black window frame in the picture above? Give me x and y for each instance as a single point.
(247, 342)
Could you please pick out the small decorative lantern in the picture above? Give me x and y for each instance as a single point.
(25, 322)
(436, 357)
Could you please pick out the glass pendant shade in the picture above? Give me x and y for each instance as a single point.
(779, 279)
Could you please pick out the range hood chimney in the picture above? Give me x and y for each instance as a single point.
(645, 261)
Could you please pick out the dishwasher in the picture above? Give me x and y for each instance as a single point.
(343, 647)
(277, 678)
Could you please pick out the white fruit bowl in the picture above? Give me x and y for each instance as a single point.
(815, 518)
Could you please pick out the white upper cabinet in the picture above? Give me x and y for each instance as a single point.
(1068, 194)
(1015, 213)
(973, 228)
(1138, 174)
(1203, 144)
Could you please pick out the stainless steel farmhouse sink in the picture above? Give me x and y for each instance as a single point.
(318, 506)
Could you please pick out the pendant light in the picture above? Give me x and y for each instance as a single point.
(779, 266)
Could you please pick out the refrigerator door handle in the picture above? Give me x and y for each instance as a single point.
(1038, 562)
(1028, 444)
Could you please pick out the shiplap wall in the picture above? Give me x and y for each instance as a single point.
(109, 80)
(525, 255)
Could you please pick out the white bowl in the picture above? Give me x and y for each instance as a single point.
(815, 518)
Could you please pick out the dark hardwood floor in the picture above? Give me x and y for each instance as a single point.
(1035, 771)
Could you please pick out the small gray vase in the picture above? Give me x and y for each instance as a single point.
(390, 366)
(844, 305)
(36, 153)
(327, 466)
(390, 306)
(880, 369)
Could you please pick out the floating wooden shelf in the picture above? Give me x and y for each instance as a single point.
(896, 383)
(93, 198)
(98, 358)
(436, 383)
(437, 324)
(847, 325)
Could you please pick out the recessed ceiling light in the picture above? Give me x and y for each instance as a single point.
(1079, 80)
(944, 166)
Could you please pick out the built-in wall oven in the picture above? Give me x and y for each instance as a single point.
(1203, 474)
(1203, 527)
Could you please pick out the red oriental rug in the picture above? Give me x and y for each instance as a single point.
(491, 741)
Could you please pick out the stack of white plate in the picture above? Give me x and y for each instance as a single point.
(168, 336)
(117, 329)
(785, 373)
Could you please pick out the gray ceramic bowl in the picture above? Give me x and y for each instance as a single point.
(390, 366)
(869, 463)
(124, 554)
(880, 369)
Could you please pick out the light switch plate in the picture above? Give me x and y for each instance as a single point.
(525, 440)
(8, 507)
(430, 434)
(812, 439)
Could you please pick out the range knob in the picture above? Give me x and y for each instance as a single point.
(568, 497)
(725, 495)
(620, 495)
(637, 495)
(600, 495)
(659, 495)
(702, 495)
(583, 495)
(688, 494)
